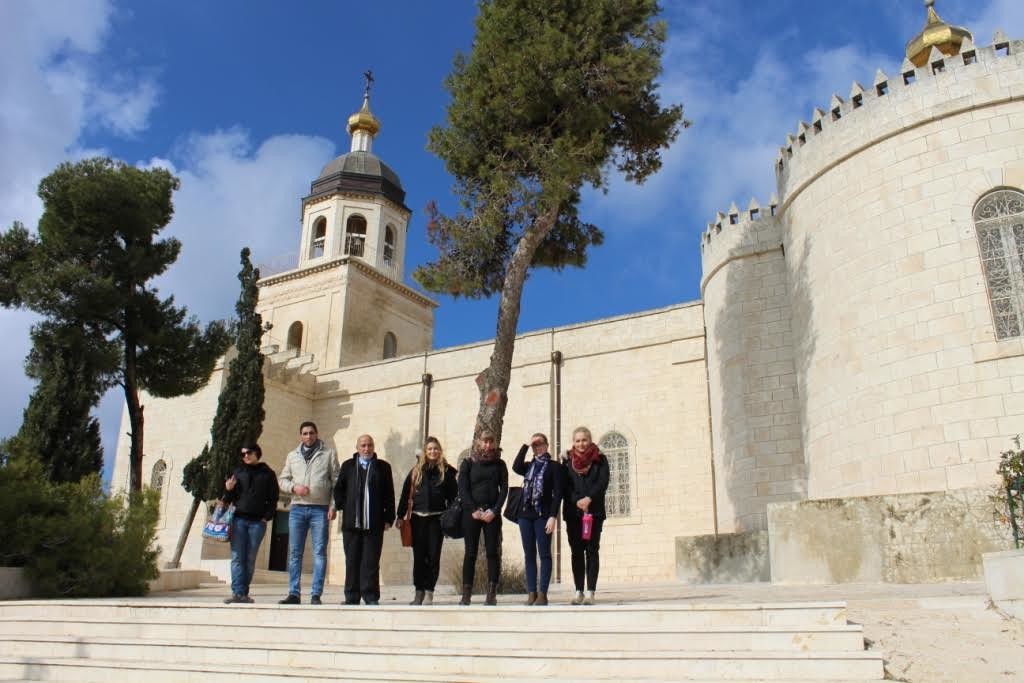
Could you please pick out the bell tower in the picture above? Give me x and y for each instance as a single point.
(346, 303)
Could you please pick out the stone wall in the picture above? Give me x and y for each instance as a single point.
(903, 386)
(910, 538)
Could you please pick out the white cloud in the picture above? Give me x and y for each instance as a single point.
(234, 194)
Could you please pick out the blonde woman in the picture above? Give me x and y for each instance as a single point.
(432, 484)
(586, 482)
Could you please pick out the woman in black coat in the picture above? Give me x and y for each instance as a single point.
(538, 513)
(432, 485)
(483, 487)
(252, 489)
(586, 482)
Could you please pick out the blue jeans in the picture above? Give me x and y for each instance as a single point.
(303, 519)
(536, 541)
(246, 536)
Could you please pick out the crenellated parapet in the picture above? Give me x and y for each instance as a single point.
(946, 85)
(736, 234)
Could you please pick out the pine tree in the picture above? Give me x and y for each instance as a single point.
(552, 96)
(239, 417)
(91, 268)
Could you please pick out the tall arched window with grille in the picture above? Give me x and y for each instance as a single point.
(389, 245)
(617, 501)
(294, 339)
(999, 221)
(319, 238)
(158, 477)
(355, 235)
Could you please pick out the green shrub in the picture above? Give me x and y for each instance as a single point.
(1010, 497)
(72, 539)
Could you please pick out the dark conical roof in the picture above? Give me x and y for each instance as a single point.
(360, 172)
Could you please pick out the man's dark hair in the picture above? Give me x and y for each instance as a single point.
(254, 448)
(307, 423)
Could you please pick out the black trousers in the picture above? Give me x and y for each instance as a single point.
(362, 564)
(492, 543)
(426, 551)
(586, 558)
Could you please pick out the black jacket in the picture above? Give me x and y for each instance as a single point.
(432, 494)
(348, 493)
(551, 487)
(483, 484)
(255, 493)
(593, 485)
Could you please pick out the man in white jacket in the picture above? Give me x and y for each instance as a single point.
(309, 475)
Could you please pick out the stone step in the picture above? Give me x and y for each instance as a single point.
(588, 663)
(555, 618)
(93, 671)
(515, 637)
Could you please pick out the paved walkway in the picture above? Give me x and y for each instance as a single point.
(928, 633)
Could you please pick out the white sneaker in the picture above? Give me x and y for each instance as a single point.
(589, 600)
(578, 600)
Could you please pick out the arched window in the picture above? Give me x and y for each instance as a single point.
(999, 221)
(389, 246)
(158, 477)
(294, 336)
(355, 235)
(616, 449)
(319, 237)
(390, 345)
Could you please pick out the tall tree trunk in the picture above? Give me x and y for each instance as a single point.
(136, 421)
(493, 382)
(175, 561)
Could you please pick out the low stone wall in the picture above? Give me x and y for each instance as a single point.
(1004, 579)
(14, 584)
(725, 558)
(906, 538)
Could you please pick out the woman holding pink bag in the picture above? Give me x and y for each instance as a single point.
(586, 481)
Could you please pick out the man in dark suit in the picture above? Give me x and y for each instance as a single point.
(365, 495)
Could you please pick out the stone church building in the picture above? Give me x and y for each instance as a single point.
(831, 409)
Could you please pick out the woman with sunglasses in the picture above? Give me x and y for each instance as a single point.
(253, 490)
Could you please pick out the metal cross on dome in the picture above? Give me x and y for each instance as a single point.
(368, 75)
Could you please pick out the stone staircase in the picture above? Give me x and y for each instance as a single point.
(157, 641)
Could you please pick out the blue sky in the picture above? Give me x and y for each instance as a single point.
(247, 100)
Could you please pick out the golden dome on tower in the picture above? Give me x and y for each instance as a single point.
(936, 33)
(364, 119)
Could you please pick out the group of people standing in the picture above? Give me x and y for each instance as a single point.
(362, 489)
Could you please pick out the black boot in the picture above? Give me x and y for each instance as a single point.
(467, 594)
(492, 594)
(531, 598)
(417, 599)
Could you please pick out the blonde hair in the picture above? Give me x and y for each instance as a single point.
(583, 430)
(417, 470)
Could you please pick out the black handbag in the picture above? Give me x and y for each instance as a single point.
(451, 520)
(514, 503)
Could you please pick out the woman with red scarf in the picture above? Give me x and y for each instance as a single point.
(586, 481)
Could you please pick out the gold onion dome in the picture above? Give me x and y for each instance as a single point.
(936, 33)
(364, 119)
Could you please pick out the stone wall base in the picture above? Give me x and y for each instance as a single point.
(905, 538)
(725, 558)
(1004, 579)
(14, 584)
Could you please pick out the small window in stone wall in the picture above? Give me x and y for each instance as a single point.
(355, 235)
(319, 238)
(999, 221)
(617, 501)
(390, 345)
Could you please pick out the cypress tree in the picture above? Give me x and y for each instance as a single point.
(239, 417)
